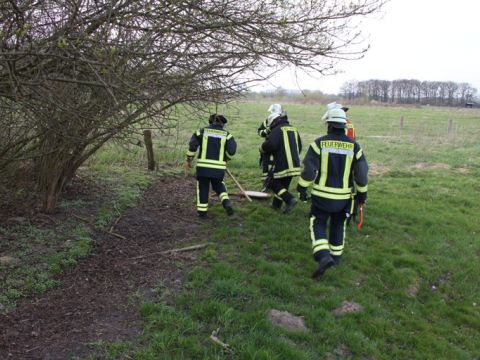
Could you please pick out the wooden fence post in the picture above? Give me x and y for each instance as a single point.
(450, 125)
(147, 137)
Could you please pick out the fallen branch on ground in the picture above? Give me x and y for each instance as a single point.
(188, 248)
(217, 341)
(173, 251)
(115, 223)
(83, 219)
(116, 235)
(110, 232)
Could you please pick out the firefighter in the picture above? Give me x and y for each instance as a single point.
(215, 147)
(350, 132)
(284, 145)
(264, 128)
(266, 160)
(350, 129)
(334, 163)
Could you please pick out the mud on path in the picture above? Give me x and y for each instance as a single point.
(98, 298)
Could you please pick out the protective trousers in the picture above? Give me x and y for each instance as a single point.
(280, 189)
(333, 244)
(203, 188)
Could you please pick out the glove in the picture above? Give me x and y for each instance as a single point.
(303, 197)
(361, 198)
(302, 193)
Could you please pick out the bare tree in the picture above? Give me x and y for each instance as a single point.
(465, 93)
(410, 91)
(349, 89)
(451, 89)
(76, 73)
(384, 90)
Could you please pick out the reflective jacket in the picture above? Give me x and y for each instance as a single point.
(263, 130)
(215, 146)
(285, 145)
(332, 165)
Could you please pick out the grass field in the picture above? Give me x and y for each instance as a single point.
(414, 267)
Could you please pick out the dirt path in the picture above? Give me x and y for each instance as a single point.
(97, 298)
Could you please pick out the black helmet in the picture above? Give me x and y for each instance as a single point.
(217, 119)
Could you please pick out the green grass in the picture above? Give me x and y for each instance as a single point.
(41, 254)
(124, 170)
(413, 267)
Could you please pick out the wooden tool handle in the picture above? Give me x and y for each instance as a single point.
(239, 186)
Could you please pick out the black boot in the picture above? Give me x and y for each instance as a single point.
(323, 264)
(202, 214)
(275, 207)
(290, 205)
(227, 205)
(337, 259)
(276, 204)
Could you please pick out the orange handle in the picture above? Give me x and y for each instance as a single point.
(360, 223)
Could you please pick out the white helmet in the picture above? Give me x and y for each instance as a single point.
(336, 117)
(275, 111)
(334, 105)
(331, 106)
(277, 108)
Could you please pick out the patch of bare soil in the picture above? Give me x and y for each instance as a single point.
(286, 320)
(377, 169)
(97, 298)
(347, 307)
(340, 352)
(462, 170)
(428, 166)
(413, 289)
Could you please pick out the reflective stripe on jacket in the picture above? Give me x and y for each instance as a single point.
(215, 146)
(263, 130)
(332, 165)
(285, 144)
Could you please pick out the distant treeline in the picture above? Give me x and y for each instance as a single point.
(291, 95)
(404, 91)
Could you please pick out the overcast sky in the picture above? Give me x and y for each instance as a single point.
(434, 40)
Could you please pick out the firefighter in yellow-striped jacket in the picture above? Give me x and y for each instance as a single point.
(334, 163)
(215, 147)
(284, 145)
(349, 128)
